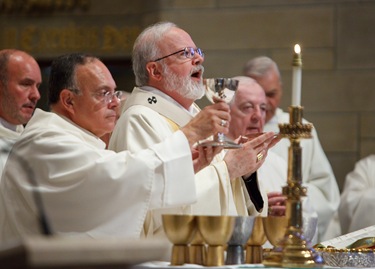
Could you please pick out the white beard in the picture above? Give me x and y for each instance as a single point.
(184, 86)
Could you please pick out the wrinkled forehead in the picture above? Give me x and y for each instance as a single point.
(250, 92)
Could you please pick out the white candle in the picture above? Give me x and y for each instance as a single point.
(297, 76)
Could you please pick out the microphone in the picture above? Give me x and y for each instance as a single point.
(36, 195)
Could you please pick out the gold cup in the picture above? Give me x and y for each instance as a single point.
(254, 249)
(216, 232)
(275, 229)
(197, 250)
(180, 230)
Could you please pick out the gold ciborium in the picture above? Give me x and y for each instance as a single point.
(216, 231)
(197, 250)
(180, 230)
(274, 228)
(254, 249)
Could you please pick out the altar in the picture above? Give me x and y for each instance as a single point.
(54, 252)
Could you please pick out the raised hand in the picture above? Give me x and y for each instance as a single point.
(211, 120)
(248, 159)
(203, 156)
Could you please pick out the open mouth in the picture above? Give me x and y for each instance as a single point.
(252, 130)
(197, 74)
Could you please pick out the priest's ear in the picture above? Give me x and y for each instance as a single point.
(67, 100)
(154, 71)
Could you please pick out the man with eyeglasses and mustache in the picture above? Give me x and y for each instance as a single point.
(20, 79)
(86, 190)
(168, 70)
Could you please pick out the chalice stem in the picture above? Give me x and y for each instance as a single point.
(197, 254)
(235, 254)
(215, 255)
(220, 137)
(254, 254)
(179, 254)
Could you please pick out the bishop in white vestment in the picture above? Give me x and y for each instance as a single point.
(149, 117)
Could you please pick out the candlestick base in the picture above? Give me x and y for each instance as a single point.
(297, 253)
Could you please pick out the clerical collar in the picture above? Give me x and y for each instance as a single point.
(8, 125)
(191, 109)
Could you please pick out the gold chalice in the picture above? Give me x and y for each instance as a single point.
(197, 250)
(275, 229)
(254, 249)
(216, 231)
(180, 230)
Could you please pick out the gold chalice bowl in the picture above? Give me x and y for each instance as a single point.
(216, 232)
(180, 230)
(254, 249)
(275, 229)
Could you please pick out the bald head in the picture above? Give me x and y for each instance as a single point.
(20, 78)
(248, 108)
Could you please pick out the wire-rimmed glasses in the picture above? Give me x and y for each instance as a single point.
(188, 52)
(107, 97)
(104, 96)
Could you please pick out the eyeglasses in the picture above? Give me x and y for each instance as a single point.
(107, 97)
(189, 52)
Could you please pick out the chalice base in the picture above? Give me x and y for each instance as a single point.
(235, 254)
(301, 256)
(197, 254)
(254, 254)
(215, 256)
(224, 144)
(179, 255)
(298, 254)
(273, 258)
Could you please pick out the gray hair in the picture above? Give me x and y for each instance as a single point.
(146, 49)
(259, 67)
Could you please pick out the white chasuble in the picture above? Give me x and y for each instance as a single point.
(148, 118)
(85, 189)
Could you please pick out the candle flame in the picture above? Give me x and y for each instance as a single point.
(297, 49)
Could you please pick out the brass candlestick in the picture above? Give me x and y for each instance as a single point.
(296, 250)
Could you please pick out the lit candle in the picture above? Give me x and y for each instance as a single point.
(297, 76)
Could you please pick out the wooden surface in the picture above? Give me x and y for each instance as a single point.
(83, 253)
